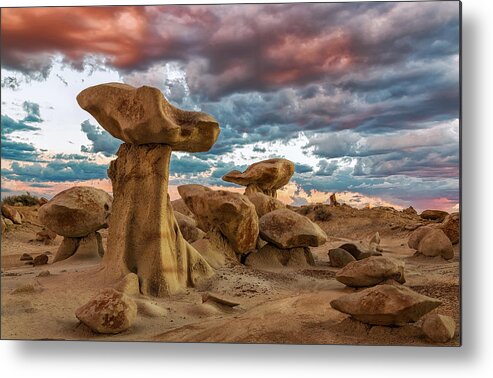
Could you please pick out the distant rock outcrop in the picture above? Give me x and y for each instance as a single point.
(265, 176)
(434, 215)
(387, 305)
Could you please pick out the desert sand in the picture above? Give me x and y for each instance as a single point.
(275, 305)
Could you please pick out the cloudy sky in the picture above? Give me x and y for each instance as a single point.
(363, 97)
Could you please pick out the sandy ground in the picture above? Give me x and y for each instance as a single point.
(276, 306)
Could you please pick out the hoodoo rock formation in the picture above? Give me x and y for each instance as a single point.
(144, 237)
(77, 214)
(265, 176)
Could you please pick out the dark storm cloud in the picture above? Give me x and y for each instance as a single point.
(9, 125)
(13, 150)
(57, 171)
(101, 140)
(303, 168)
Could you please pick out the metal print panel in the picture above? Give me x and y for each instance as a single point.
(240, 173)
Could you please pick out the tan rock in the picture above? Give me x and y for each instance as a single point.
(272, 257)
(42, 201)
(11, 213)
(41, 259)
(46, 236)
(410, 211)
(144, 116)
(144, 236)
(288, 229)
(451, 227)
(150, 310)
(215, 248)
(439, 328)
(436, 243)
(108, 312)
(155, 249)
(340, 257)
(435, 215)
(265, 176)
(181, 207)
(232, 213)
(385, 305)
(76, 212)
(188, 227)
(353, 249)
(87, 248)
(129, 285)
(374, 244)
(417, 235)
(371, 271)
(263, 203)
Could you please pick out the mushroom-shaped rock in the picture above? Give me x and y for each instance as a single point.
(385, 305)
(108, 312)
(144, 116)
(232, 213)
(436, 243)
(288, 229)
(264, 176)
(77, 214)
(263, 203)
(371, 271)
(144, 237)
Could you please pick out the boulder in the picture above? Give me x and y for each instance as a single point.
(417, 235)
(353, 249)
(108, 312)
(271, 257)
(434, 215)
(232, 213)
(144, 116)
(265, 176)
(371, 271)
(46, 236)
(340, 257)
(436, 243)
(288, 229)
(387, 305)
(263, 203)
(438, 328)
(451, 227)
(76, 212)
(11, 213)
(41, 259)
(188, 227)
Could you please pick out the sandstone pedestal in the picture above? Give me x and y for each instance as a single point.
(144, 237)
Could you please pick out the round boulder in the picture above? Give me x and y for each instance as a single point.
(439, 328)
(108, 312)
(436, 243)
(288, 229)
(339, 257)
(263, 203)
(434, 215)
(417, 235)
(76, 212)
